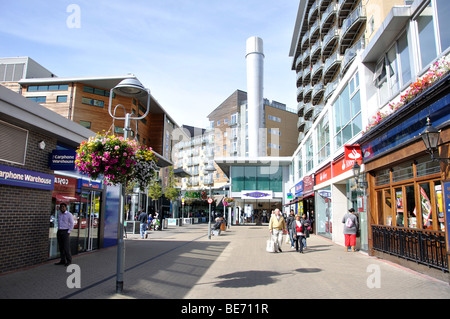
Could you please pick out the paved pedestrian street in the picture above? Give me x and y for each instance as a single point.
(182, 263)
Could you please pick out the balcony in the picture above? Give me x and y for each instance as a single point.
(344, 9)
(305, 41)
(313, 12)
(331, 68)
(331, 87)
(317, 110)
(306, 58)
(316, 51)
(314, 32)
(351, 53)
(298, 63)
(307, 92)
(316, 73)
(323, 4)
(299, 78)
(351, 28)
(328, 18)
(317, 93)
(300, 109)
(301, 124)
(307, 76)
(300, 137)
(309, 107)
(330, 42)
(308, 126)
(300, 94)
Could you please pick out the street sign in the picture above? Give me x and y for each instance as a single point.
(210, 200)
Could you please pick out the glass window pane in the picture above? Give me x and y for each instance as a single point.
(411, 206)
(237, 177)
(425, 166)
(427, 40)
(250, 178)
(357, 124)
(399, 207)
(440, 205)
(402, 172)
(443, 9)
(356, 104)
(392, 67)
(405, 62)
(337, 116)
(425, 205)
(387, 208)
(345, 106)
(347, 133)
(263, 178)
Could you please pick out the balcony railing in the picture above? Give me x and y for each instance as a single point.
(331, 87)
(300, 94)
(317, 93)
(308, 111)
(316, 73)
(314, 32)
(307, 76)
(328, 18)
(307, 93)
(420, 246)
(305, 40)
(300, 137)
(306, 58)
(351, 28)
(332, 65)
(351, 53)
(316, 51)
(317, 110)
(330, 41)
(300, 109)
(308, 126)
(301, 124)
(298, 62)
(299, 78)
(344, 8)
(313, 12)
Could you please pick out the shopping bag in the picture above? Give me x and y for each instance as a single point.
(270, 247)
(287, 239)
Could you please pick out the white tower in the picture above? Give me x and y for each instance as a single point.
(255, 98)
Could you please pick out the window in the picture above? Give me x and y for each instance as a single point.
(309, 154)
(61, 99)
(274, 118)
(38, 99)
(443, 10)
(93, 102)
(347, 113)
(96, 91)
(427, 39)
(323, 139)
(43, 88)
(86, 124)
(393, 71)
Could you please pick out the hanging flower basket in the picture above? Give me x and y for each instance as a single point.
(118, 160)
(227, 201)
(145, 167)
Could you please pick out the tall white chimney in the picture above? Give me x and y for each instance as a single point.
(255, 98)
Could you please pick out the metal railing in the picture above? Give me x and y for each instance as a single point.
(420, 246)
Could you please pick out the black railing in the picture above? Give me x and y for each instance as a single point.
(421, 246)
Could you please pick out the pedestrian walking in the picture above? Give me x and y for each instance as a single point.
(306, 228)
(351, 226)
(277, 226)
(298, 228)
(65, 226)
(143, 218)
(289, 222)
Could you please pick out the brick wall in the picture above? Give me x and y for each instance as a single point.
(25, 212)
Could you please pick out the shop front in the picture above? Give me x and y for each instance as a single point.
(407, 186)
(84, 200)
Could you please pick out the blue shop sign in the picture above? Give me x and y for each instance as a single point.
(62, 160)
(299, 189)
(23, 178)
(88, 184)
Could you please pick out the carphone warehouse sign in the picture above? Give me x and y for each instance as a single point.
(24, 178)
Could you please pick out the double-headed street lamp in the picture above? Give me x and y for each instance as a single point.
(128, 88)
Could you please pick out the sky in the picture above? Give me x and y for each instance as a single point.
(189, 53)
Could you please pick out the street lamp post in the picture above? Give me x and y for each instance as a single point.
(129, 88)
(210, 169)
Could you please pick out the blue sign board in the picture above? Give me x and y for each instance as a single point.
(299, 189)
(24, 178)
(62, 160)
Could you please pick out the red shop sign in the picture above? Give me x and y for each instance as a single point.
(324, 175)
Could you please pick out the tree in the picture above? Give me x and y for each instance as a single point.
(154, 189)
(170, 191)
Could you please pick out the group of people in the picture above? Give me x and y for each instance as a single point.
(147, 223)
(299, 227)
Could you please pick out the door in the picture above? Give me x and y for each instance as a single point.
(88, 220)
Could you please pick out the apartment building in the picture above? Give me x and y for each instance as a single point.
(372, 52)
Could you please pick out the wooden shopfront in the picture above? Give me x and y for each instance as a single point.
(407, 189)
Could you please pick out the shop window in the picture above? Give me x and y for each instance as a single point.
(402, 172)
(425, 166)
(382, 177)
(399, 207)
(425, 206)
(439, 205)
(13, 140)
(410, 206)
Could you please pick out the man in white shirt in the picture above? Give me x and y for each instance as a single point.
(65, 226)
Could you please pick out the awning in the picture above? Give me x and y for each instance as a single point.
(218, 199)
